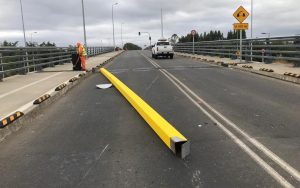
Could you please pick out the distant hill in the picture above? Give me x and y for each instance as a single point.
(130, 46)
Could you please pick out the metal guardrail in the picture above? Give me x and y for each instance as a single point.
(263, 49)
(15, 60)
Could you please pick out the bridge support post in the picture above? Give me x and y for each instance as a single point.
(2, 69)
(241, 46)
(297, 42)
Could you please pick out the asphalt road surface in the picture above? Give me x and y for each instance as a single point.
(243, 128)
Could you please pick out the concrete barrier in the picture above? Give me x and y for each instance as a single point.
(167, 133)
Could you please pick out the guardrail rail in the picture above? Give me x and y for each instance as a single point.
(21, 60)
(265, 50)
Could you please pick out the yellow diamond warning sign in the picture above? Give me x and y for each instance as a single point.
(241, 14)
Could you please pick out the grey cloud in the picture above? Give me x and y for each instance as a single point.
(61, 21)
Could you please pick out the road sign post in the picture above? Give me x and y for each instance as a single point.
(193, 33)
(241, 46)
(241, 15)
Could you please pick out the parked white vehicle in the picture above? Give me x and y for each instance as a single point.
(162, 48)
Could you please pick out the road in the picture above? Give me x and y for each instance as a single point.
(243, 128)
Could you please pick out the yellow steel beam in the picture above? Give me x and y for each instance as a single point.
(168, 134)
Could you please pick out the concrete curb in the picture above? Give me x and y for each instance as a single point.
(30, 110)
(288, 77)
(10, 119)
(271, 75)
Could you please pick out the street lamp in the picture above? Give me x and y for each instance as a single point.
(24, 32)
(269, 34)
(83, 20)
(252, 18)
(148, 35)
(251, 30)
(31, 36)
(122, 34)
(113, 23)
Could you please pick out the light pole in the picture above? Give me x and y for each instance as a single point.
(251, 29)
(24, 32)
(31, 37)
(162, 23)
(26, 65)
(83, 19)
(113, 23)
(122, 34)
(148, 35)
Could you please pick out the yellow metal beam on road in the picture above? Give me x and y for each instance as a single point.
(168, 134)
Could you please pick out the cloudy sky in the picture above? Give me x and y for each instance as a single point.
(60, 21)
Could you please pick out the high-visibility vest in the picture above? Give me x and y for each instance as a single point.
(82, 51)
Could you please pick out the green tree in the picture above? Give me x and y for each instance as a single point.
(131, 46)
(236, 34)
(9, 44)
(47, 44)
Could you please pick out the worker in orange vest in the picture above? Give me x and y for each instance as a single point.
(82, 54)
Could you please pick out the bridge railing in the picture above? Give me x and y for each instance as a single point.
(265, 50)
(20, 60)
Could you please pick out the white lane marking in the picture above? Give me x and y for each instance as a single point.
(252, 140)
(284, 165)
(28, 85)
(241, 144)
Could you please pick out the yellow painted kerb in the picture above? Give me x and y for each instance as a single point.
(161, 126)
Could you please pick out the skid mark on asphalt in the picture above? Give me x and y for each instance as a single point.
(93, 165)
(152, 83)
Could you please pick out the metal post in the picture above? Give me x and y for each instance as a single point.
(83, 20)
(112, 15)
(251, 45)
(241, 46)
(122, 35)
(24, 31)
(113, 23)
(24, 35)
(33, 61)
(297, 42)
(148, 35)
(2, 75)
(193, 45)
(162, 24)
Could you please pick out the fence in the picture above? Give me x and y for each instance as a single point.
(15, 60)
(263, 49)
